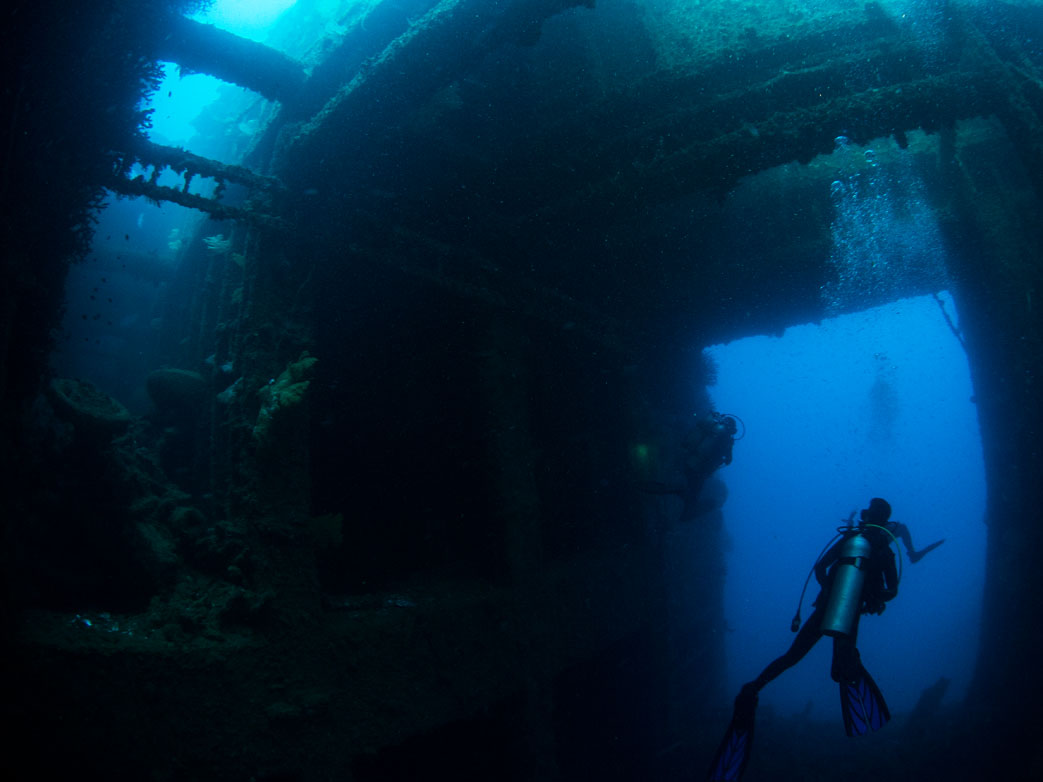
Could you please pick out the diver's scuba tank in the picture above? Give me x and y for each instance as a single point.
(845, 597)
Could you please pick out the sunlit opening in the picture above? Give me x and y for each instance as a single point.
(234, 114)
(248, 18)
(877, 403)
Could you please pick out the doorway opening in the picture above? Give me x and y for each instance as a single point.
(873, 404)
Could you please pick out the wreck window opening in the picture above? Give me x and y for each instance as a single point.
(186, 182)
(876, 403)
(204, 115)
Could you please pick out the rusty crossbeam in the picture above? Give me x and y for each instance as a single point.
(260, 208)
(203, 48)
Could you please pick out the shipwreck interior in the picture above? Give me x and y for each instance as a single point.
(382, 517)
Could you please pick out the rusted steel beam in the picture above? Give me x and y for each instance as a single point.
(203, 48)
(156, 158)
(437, 49)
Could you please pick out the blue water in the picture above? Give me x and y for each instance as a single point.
(877, 403)
(248, 18)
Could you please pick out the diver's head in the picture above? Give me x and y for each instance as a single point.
(729, 425)
(878, 512)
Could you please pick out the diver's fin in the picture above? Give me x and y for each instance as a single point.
(916, 556)
(732, 755)
(862, 705)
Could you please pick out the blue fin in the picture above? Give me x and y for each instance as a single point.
(729, 763)
(863, 706)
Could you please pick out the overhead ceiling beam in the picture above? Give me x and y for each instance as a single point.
(203, 48)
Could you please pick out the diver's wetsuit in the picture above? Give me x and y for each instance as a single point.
(881, 585)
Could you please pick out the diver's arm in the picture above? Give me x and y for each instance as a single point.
(915, 556)
(827, 559)
(902, 532)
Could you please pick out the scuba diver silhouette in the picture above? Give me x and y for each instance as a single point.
(707, 446)
(858, 576)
